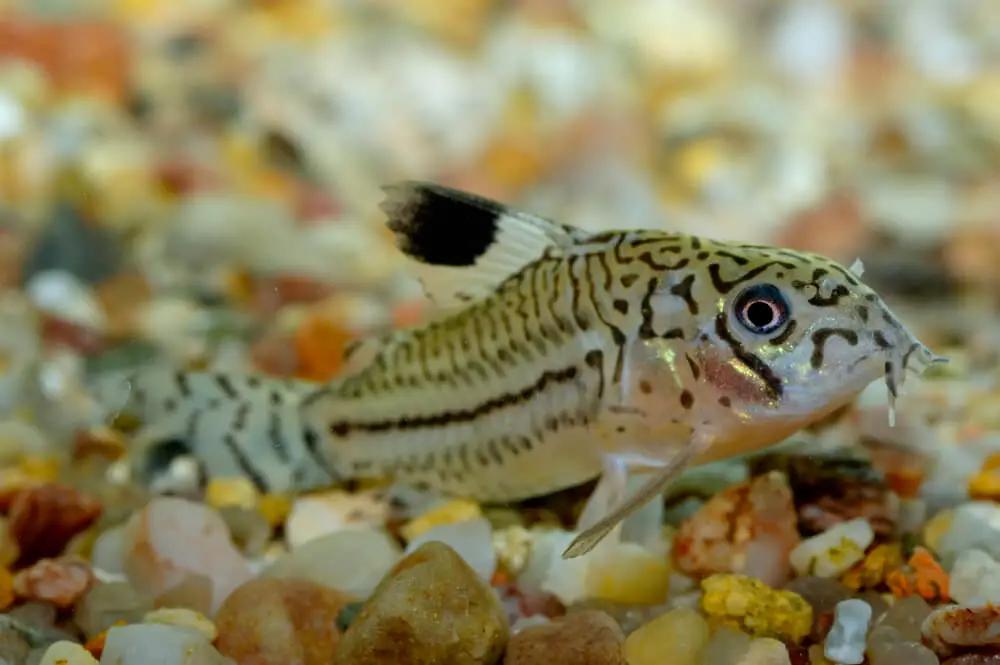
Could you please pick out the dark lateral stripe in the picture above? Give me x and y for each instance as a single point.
(754, 363)
(244, 463)
(343, 428)
(820, 338)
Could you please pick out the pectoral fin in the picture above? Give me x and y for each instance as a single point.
(654, 487)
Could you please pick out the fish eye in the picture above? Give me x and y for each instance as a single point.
(761, 309)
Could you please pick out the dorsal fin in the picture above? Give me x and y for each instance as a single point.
(462, 246)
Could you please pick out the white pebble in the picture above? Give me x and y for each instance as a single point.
(834, 551)
(61, 294)
(108, 551)
(471, 539)
(319, 515)
(158, 644)
(353, 561)
(846, 641)
(13, 119)
(67, 653)
(975, 578)
(547, 571)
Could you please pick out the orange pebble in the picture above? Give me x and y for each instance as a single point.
(905, 481)
(500, 578)
(992, 462)
(921, 576)
(985, 485)
(320, 344)
(95, 645)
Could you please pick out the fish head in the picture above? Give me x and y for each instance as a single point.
(793, 335)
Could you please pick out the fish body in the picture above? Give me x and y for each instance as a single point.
(559, 350)
(235, 425)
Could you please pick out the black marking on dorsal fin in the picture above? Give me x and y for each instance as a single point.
(462, 246)
(441, 226)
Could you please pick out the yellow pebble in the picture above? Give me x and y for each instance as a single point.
(274, 508)
(182, 618)
(985, 485)
(766, 651)
(629, 575)
(452, 512)
(41, 468)
(873, 570)
(749, 604)
(227, 492)
(699, 160)
(936, 527)
(675, 637)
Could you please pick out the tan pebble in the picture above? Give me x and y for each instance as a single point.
(193, 593)
(816, 655)
(589, 637)
(67, 653)
(183, 618)
(225, 492)
(766, 651)
(630, 575)
(272, 622)
(682, 633)
(458, 510)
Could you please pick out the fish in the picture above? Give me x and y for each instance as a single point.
(558, 356)
(234, 424)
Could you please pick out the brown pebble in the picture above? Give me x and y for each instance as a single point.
(45, 518)
(798, 655)
(273, 622)
(989, 656)
(590, 637)
(431, 608)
